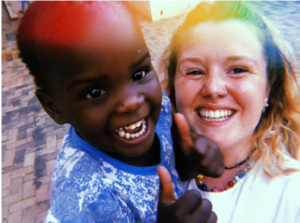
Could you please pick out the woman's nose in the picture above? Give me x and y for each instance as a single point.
(214, 86)
(128, 100)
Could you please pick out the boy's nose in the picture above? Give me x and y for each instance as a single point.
(214, 86)
(128, 101)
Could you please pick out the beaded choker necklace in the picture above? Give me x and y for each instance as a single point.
(236, 165)
(240, 174)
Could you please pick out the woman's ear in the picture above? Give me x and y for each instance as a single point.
(50, 106)
(266, 99)
(267, 93)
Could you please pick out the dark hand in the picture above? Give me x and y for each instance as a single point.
(188, 208)
(205, 156)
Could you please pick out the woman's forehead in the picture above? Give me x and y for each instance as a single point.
(232, 35)
(221, 29)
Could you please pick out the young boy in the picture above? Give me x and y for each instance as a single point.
(93, 70)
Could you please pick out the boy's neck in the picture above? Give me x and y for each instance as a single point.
(150, 158)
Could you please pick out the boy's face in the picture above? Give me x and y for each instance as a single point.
(108, 84)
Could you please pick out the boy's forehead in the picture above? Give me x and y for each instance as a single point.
(67, 23)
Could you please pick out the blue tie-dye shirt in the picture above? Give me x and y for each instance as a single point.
(90, 186)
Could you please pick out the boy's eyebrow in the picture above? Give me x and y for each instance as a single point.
(92, 80)
(140, 61)
(84, 81)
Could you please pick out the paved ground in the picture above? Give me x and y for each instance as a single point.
(31, 140)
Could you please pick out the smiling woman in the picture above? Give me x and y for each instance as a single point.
(230, 79)
(222, 76)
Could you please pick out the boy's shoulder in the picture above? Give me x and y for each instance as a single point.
(166, 109)
(70, 155)
(73, 162)
(79, 182)
(166, 102)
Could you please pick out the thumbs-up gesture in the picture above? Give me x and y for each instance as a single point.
(190, 207)
(197, 155)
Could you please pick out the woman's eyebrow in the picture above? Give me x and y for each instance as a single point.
(190, 59)
(237, 58)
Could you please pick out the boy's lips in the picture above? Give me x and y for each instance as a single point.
(132, 131)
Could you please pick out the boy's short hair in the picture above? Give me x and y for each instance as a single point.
(44, 24)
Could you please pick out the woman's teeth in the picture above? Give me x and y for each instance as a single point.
(215, 116)
(132, 131)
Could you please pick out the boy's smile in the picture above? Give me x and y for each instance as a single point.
(106, 87)
(132, 131)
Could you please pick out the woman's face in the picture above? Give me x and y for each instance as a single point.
(221, 82)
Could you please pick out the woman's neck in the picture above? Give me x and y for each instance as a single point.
(235, 160)
(232, 157)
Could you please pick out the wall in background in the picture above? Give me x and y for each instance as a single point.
(15, 9)
(5, 15)
(156, 10)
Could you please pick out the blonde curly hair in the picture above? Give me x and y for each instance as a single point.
(277, 135)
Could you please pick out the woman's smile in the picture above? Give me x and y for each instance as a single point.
(214, 115)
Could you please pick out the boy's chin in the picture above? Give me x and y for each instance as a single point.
(137, 146)
(140, 149)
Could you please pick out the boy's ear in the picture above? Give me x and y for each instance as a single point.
(50, 106)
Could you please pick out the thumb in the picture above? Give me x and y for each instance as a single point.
(184, 131)
(166, 194)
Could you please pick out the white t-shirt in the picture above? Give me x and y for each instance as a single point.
(258, 198)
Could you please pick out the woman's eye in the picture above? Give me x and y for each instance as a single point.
(139, 75)
(95, 93)
(237, 70)
(194, 72)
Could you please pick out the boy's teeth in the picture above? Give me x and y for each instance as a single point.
(121, 133)
(218, 115)
(128, 135)
(134, 125)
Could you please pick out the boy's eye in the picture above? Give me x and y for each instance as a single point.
(95, 93)
(139, 75)
(195, 72)
(237, 70)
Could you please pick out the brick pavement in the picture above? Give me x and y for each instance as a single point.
(31, 140)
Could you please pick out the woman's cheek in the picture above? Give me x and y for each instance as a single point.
(185, 93)
(180, 94)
